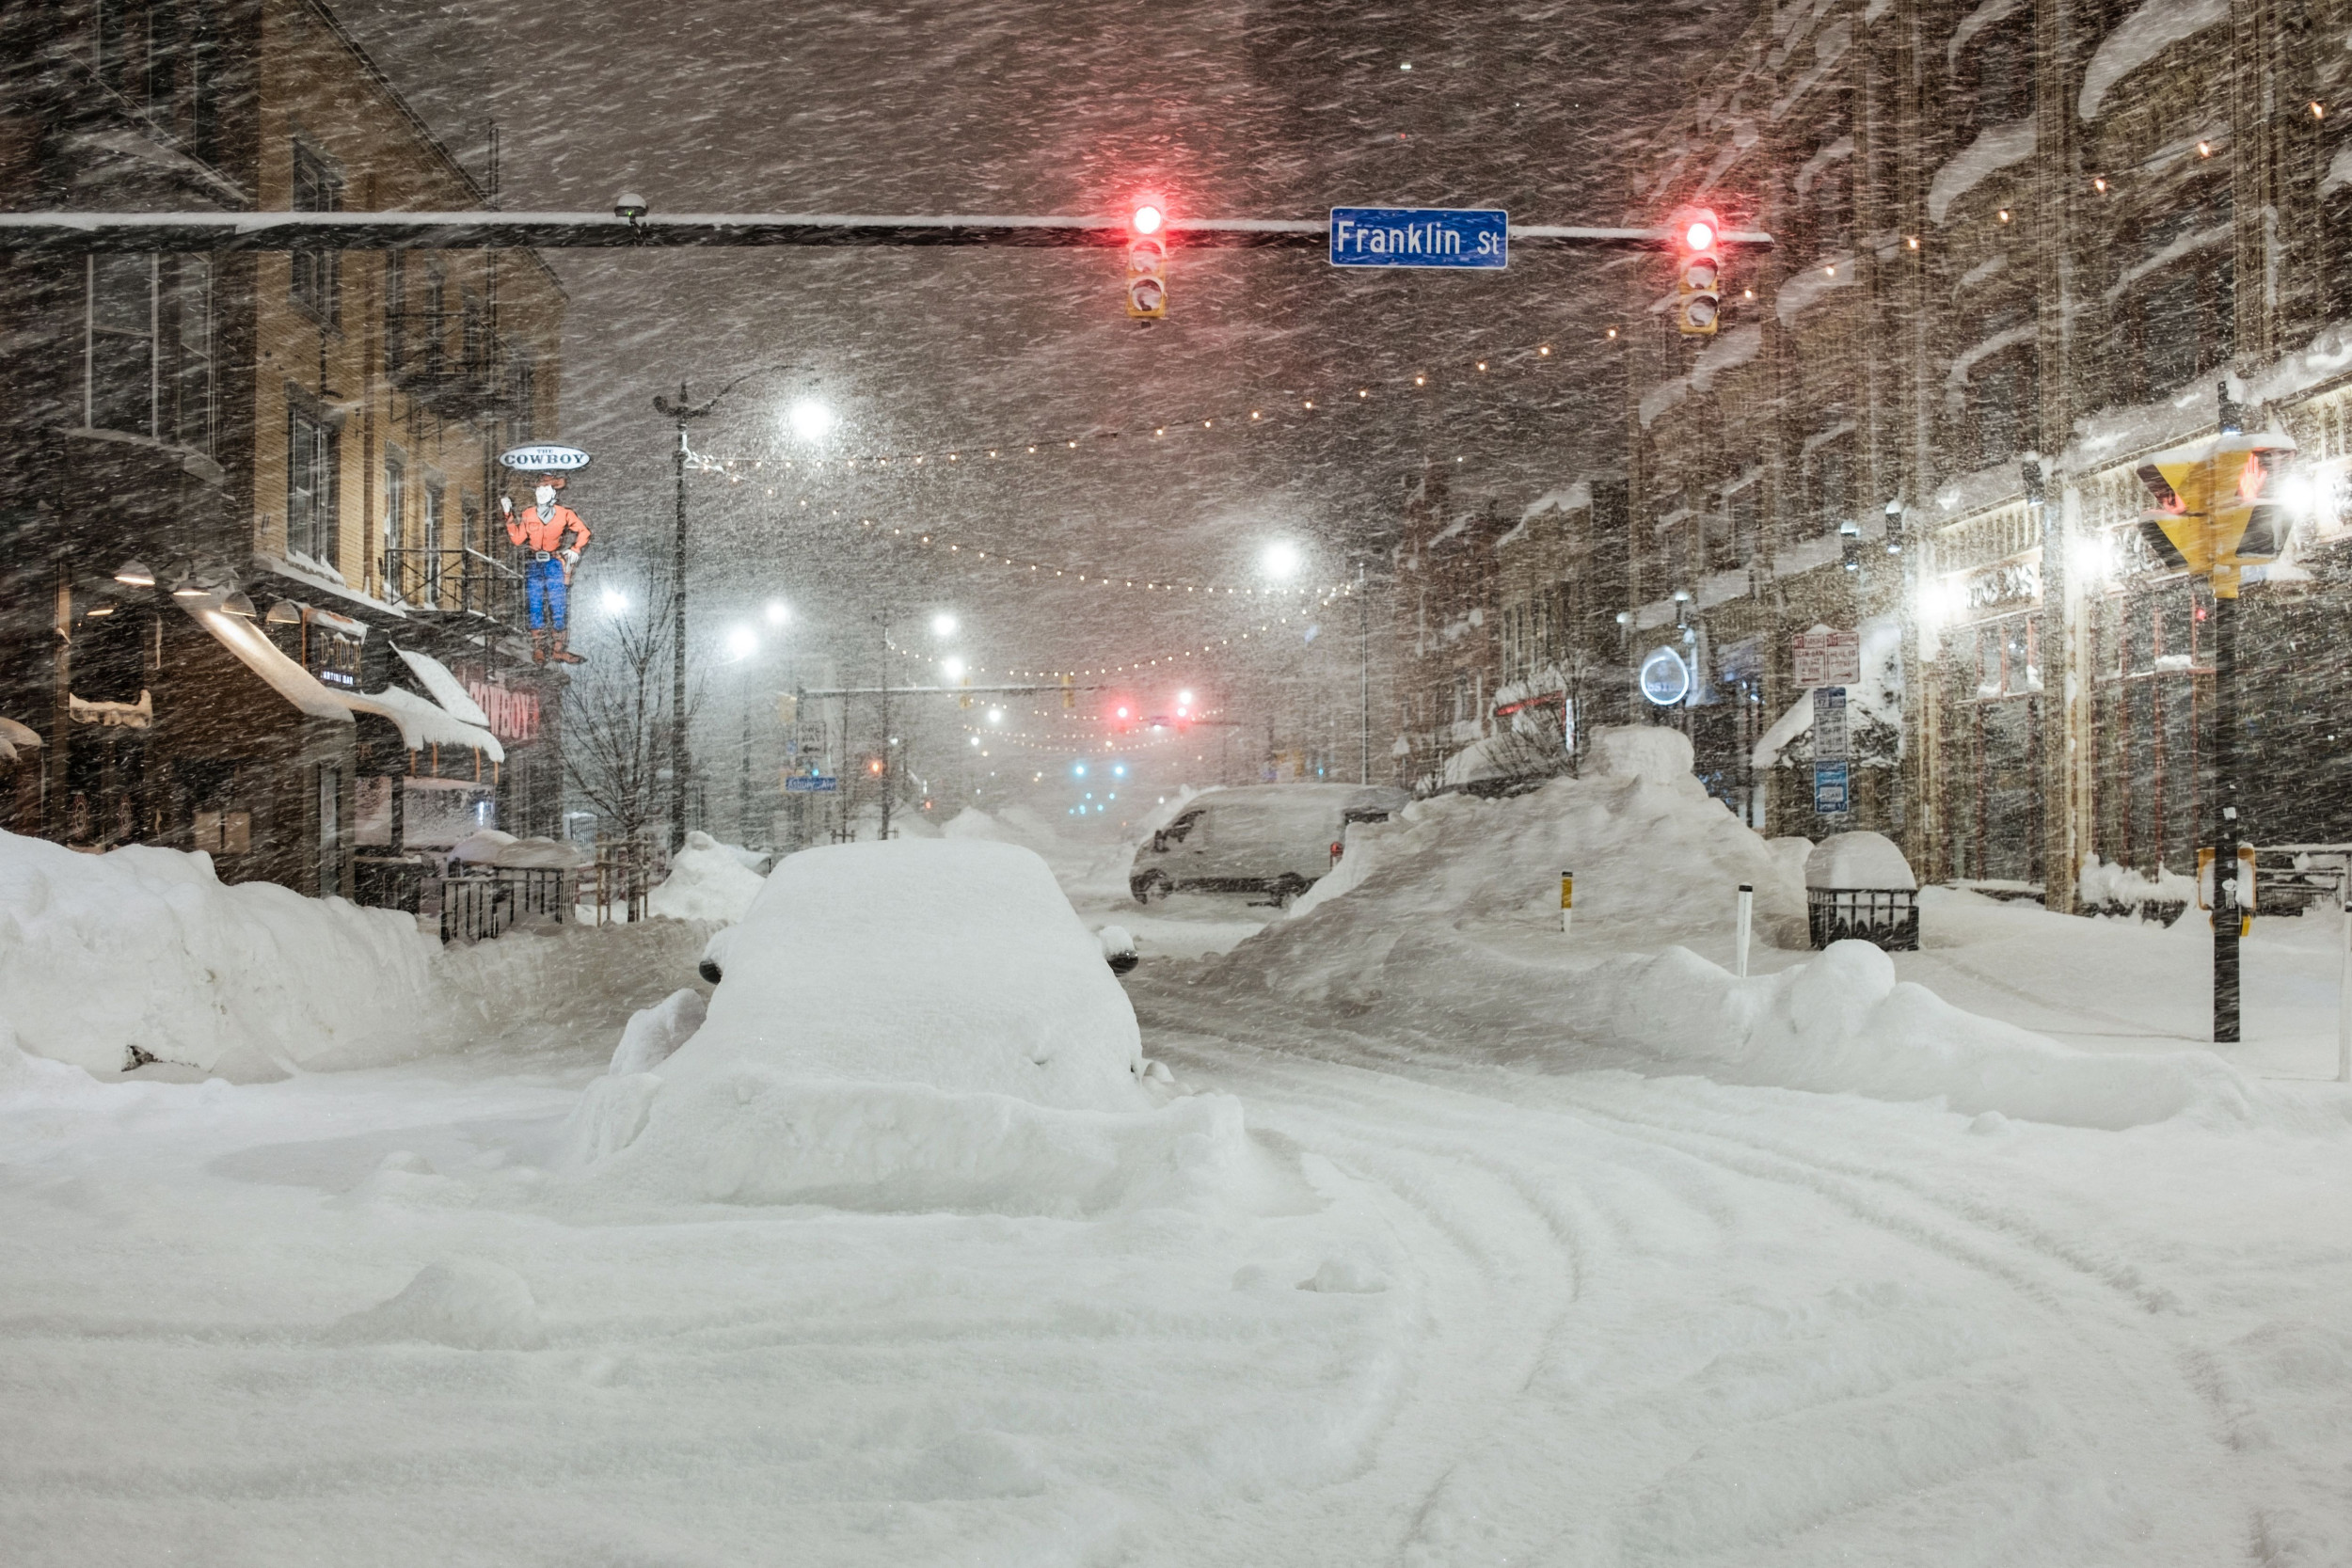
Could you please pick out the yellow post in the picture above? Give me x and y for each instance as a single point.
(1568, 899)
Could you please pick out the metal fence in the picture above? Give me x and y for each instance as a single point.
(1884, 917)
(464, 579)
(471, 904)
(624, 872)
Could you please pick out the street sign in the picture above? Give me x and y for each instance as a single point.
(811, 783)
(1833, 737)
(1420, 237)
(1829, 789)
(1826, 658)
(543, 458)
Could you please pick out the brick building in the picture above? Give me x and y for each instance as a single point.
(298, 450)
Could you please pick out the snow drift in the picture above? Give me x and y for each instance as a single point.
(144, 949)
(1446, 921)
(921, 1024)
(708, 880)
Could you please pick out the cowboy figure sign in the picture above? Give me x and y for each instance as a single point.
(554, 538)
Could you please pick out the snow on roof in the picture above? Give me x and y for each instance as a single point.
(1730, 351)
(2339, 171)
(443, 686)
(2140, 37)
(19, 734)
(422, 723)
(258, 654)
(1994, 151)
(1973, 23)
(1841, 148)
(1858, 859)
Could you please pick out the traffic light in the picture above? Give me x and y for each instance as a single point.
(1147, 264)
(2212, 506)
(1699, 284)
(1121, 713)
(1069, 694)
(963, 698)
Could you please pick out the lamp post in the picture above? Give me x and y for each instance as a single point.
(682, 411)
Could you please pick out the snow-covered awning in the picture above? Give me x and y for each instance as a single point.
(421, 722)
(444, 687)
(14, 737)
(258, 654)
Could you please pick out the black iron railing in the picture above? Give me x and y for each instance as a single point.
(463, 581)
(1884, 917)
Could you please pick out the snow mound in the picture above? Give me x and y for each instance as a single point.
(915, 1025)
(955, 963)
(655, 1033)
(1860, 860)
(1650, 753)
(755, 1136)
(1844, 1024)
(469, 1306)
(1656, 860)
(145, 948)
(708, 880)
(972, 822)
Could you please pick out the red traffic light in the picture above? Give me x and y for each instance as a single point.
(1700, 235)
(1147, 220)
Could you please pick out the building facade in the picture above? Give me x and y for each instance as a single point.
(253, 597)
(2020, 246)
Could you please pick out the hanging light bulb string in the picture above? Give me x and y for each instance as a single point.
(1266, 413)
(979, 558)
(1136, 666)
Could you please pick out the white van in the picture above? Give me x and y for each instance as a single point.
(1275, 839)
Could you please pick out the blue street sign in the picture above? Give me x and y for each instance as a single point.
(811, 783)
(1829, 789)
(1420, 237)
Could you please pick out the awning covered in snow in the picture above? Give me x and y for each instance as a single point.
(258, 654)
(421, 722)
(443, 686)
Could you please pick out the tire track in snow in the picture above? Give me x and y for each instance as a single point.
(2097, 1308)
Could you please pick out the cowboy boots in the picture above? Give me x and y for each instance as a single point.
(562, 653)
(538, 646)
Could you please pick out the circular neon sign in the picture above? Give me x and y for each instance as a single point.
(1665, 679)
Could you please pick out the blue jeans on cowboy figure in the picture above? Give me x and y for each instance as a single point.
(543, 591)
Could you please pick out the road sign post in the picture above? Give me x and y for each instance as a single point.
(2214, 511)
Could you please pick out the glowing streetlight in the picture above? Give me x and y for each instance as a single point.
(942, 625)
(1184, 697)
(778, 612)
(743, 642)
(615, 601)
(952, 668)
(1282, 559)
(995, 716)
(809, 419)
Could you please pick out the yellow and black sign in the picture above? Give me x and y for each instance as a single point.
(2215, 505)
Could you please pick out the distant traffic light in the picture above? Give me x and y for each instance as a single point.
(1699, 284)
(1147, 264)
(1069, 694)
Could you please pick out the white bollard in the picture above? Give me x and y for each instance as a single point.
(1747, 922)
(2343, 1002)
(1568, 899)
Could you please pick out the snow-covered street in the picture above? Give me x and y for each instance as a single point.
(1546, 1263)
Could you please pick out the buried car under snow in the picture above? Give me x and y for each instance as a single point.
(952, 962)
(1277, 839)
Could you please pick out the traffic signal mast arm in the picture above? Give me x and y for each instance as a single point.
(352, 230)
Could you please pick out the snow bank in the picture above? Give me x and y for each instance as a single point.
(1844, 1024)
(708, 880)
(655, 1033)
(145, 949)
(1656, 860)
(468, 1305)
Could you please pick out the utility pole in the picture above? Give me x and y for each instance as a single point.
(681, 411)
(1363, 633)
(889, 759)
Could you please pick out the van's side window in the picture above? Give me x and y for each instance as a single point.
(1183, 825)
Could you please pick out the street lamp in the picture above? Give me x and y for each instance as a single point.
(1282, 561)
(778, 612)
(942, 625)
(682, 411)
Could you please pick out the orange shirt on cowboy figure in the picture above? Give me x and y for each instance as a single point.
(548, 574)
